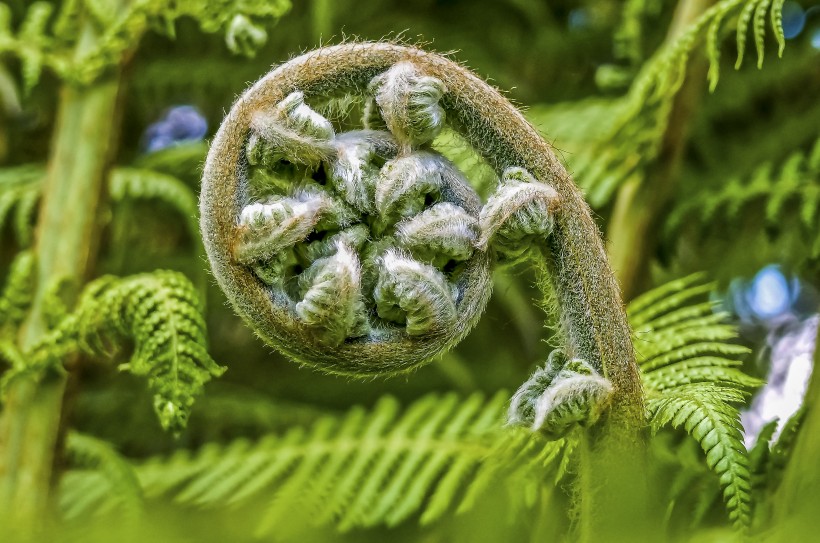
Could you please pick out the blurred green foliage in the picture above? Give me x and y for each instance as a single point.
(745, 195)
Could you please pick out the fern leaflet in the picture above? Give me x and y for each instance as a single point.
(20, 188)
(795, 182)
(606, 155)
(161, 314)
(366, 469)
(683, 352)
(135, 183)
(89, 453)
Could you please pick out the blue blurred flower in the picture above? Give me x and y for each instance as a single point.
(578, 19)
(769, 297)
(179, 124)
(770, 294)
(794, 19)
(813, 23)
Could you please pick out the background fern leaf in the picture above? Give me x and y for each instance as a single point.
(690, 371)
(610, 142)
(793, 187)
(17, 295)
(20, 188)
(703, 410)
(140, 183)
(366, 469)
(90, 453)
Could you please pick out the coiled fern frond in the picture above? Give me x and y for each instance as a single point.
(689, 369)
(161, 314)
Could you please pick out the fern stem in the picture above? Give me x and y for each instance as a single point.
(65, 244)
(632, 231)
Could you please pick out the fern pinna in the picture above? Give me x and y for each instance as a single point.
(689, 369)
(159, 313)
(610, 142)
(777, 189)
(444, 453)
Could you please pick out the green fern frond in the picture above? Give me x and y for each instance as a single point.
(759, 455)
(768, 460)
(119, 28)
(705, 411)
(794, 184)
(782, 449)
(20, 188)
(135, 183)
(630, 33)
(368, 468)
(627, 137)
(184, 158)
(11, 354)
(518, 457)
(161, 314)
(689, 368)
(18, 292)
(89, 453)
(362, 470)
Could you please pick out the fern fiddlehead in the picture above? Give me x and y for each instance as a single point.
(378, 228)
(314, 236)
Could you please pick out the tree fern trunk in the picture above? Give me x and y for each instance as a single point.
(66, 240)
(633, 228)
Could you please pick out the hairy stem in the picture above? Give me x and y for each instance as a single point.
(66, 240)
(633, 228)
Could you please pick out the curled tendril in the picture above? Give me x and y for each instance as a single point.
(559, 396)
(366, 252)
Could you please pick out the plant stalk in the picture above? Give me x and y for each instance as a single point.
(633, 229)
(65, 245)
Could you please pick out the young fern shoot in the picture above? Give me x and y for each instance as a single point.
(366, 252)
(377, 227)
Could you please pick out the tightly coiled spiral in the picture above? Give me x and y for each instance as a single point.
(367, 252)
